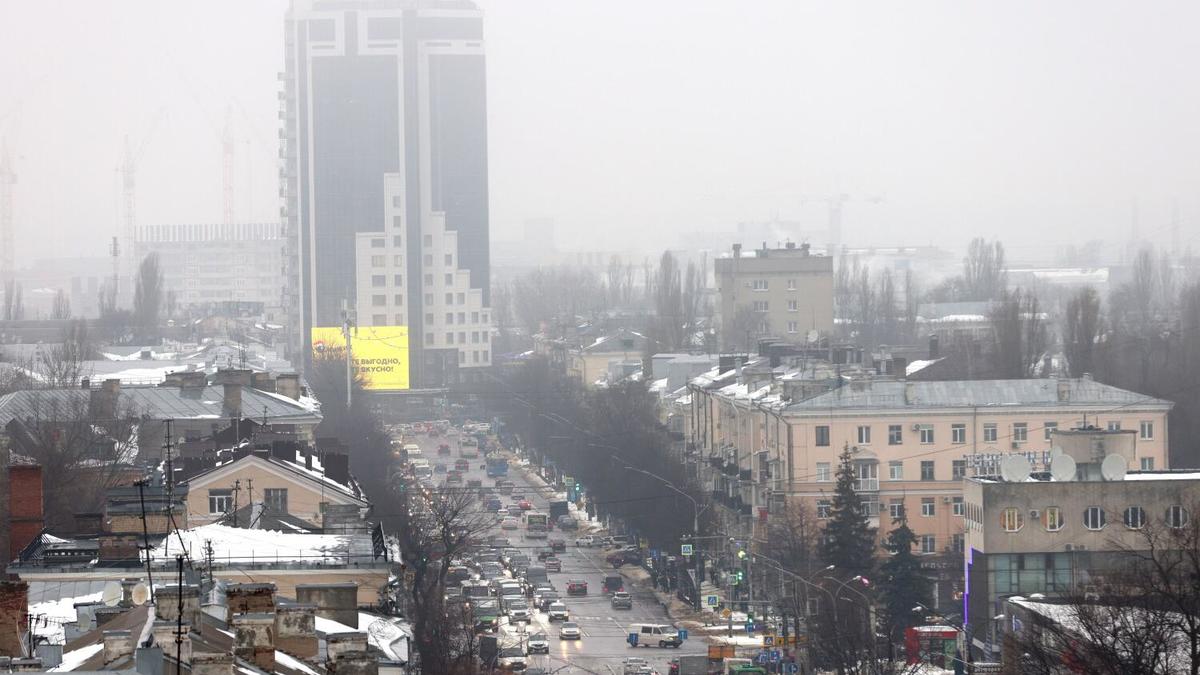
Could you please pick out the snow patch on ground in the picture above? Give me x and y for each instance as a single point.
(73, 659)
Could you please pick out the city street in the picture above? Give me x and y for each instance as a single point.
(603, 645)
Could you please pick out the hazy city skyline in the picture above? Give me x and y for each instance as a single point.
(1037, 124)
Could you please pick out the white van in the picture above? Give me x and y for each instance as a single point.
(655, 635)
(412, 451)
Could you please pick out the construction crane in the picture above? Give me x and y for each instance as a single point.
(128, 171)
(8, 178)
(835, 202)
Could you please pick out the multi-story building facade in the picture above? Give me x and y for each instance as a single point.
(204, 265)
(1063, 538)
(783, 292)
(385, 174)
(758, 446)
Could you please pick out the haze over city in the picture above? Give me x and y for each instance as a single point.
(1044, 123)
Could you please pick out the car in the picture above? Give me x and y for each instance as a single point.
(439, 468)
(474, 483)
(576, 587)
(655, 634)
(504, 487)
(626, 556)
(553, 564)
(517, 496)
(518, 610)
(511, 659)
(634, 665)
(558, 545)
(586, 541)
(462, 465)
(538, 644)
(443, 449)
(454, 477)
(569, 631)
(622, 600)
(524, 505)
(568, 522)
(493, 505)
(545, 552)
(546, 600)
(509, 524)
(557, 612)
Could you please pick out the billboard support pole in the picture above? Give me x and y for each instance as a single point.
(347, 323)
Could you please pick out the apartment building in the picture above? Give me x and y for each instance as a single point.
(913, 443)
(783, 292)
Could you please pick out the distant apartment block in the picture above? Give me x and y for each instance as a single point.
(785, 293)
(206, 264)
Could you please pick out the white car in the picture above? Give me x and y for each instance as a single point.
(509, 524)
(511, 658)
(586, 540)
(538, 644)
(569, 631)
(634, 665)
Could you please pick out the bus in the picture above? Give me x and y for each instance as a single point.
(537, 525)
(497, 467)
(469, 448)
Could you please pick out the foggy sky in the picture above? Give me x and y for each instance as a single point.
(631, 123)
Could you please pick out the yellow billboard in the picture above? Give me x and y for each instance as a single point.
(380, 353)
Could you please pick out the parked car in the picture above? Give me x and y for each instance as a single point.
(626, 556)
(558, 612)
(622, 600)
(586, 541)
(569, 631)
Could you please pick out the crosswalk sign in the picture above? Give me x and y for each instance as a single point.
(685, 549)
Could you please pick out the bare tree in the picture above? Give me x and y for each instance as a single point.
(14, 303)
(985, 276)
(148, 294)
(61, 309)
(1081, 331)
(1019, 335)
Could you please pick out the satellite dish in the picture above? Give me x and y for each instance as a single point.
(111, 595)
(1062, 468)
(141, 593)
(1113, 467)
(1015, 469)
(384, 632)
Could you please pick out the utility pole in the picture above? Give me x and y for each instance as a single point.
(141, 486)
(237, 485)
(179, 619)
(348, 321)
(169, 477)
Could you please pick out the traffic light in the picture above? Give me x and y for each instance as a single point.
(738, 576)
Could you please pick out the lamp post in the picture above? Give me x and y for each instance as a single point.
(696, 511)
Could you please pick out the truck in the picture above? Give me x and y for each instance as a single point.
(497, 467)
(558, 508)
(692, 664)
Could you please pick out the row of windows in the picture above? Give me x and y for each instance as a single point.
(958, 432)
(398, 260)
(462, 337)
(869, 469)
(1095, 518)
(477, 356)
(764, 306)
(221, 500)
(764, 284)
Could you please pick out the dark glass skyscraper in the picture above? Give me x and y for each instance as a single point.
(385, 148)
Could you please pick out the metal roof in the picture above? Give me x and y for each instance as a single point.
(158, 403)
(891, 394)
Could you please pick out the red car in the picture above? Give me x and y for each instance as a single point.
(462, 465)
(576, 587)
(525, 505)
(443, 449)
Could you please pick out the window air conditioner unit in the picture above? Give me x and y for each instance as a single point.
(1034, 514)
(916, 427)
(1016, 445)
(945, 500)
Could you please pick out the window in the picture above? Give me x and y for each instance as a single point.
(1135, 517)
(449, 338)
(1011, 519)
(449, 318)
(379, 301)
(429, 298)
(450, 299)
(449, 260)
(791, 284)
(791, 326)
(958, 508)
(429, 338)
(398, 299)
(398, 260)
(220, 501)
(397, 279)
(864, 435)
(759, 284)
(427, 260)
(475, 357)
(823, 508)
(397, 241)
(378, 243)
(895, 434)
(1020, 432)
(822, 435)
(927, 507)
(1052, 519)
(474, 317)
(1146, 431)
(379, 319)
(896, 509)
(958, 542)
(276, 499)
(926, 432)
(760, 305)
(429, 318)
(378, 280)
(461, 298)
(462, 337)
(1114, 426)
(484, 354)
(927, 469)
(958, 433)
(1094, 518)
(822, 472)
(928, 543)
(449, 280)
(868, 475)
(428, 240)
(989, 432)
(397, 201)
(378, 260)
(1049, 428)
(896, 470)
(1147, 463)
(792, 306)
(1177, 516)
(428, 279)
(958, 469)
(475, 337)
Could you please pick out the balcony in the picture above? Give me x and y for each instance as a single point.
(745, 475)
(730, 469)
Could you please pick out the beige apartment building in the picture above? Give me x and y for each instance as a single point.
(913, 443)
(789, 292)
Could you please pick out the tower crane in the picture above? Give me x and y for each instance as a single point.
(128, 171)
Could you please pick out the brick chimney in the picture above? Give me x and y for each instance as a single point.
(14, 607)
(337, 644)
(353, 663)
(233, 381)
(25, 506)
(337, 467)
(288, 384)
(206, 663)
(164, 636)
(254, 639)
(263, 382)
(103, 401)
(249, 599)
(295, 630)
(117, 643)
(167, 603)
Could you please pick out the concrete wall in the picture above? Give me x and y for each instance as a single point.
(810, 287)
(334, 601)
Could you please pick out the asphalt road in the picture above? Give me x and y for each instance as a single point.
(602, 648)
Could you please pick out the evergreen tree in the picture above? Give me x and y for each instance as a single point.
(902, 584)
(849, 540)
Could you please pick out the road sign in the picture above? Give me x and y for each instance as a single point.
(685, 549)
(568, 480)
(711, 600)
(774, 654)
(791, 667)
(768, 641)
(726, 613)
(749, 627)
(761, 658)
(683, 633)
